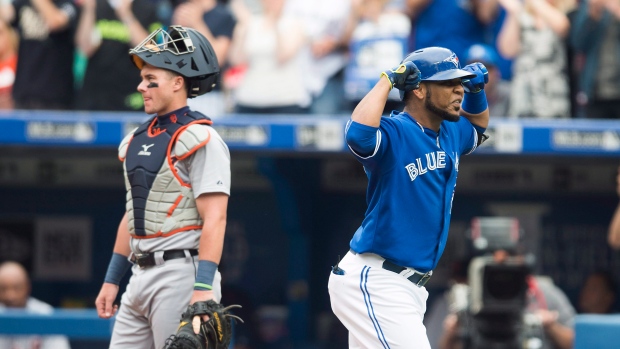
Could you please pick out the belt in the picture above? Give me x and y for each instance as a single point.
(145, 260)
(419, 279)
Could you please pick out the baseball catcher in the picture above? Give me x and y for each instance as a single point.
(196, 333)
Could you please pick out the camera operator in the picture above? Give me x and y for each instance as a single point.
(504, 305)
(545, 301)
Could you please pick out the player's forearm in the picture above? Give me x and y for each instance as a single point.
(212, 239)
(481, 119)
(212, 208)
(369, 110)
(121, 246)
(476, 108)
(209, 255)
(613, 236)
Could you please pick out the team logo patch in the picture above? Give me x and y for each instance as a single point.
(145, 150)
(453, 59)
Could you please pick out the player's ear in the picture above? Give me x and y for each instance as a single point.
(178, 83)
(420, 92)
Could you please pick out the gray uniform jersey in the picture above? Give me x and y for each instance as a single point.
(208, 171)
(155, 298)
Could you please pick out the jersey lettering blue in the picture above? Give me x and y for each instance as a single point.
(411, 181)
(434, 161)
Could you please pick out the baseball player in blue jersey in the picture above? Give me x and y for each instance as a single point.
(411, 160)
(177, 175)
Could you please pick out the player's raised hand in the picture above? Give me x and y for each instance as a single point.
(405, 77)
(475, 85)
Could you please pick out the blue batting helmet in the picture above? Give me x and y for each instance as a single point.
(437, 64)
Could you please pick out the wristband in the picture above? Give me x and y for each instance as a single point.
(475, 103)
(202, 287)
(205, 275)
(116, 269)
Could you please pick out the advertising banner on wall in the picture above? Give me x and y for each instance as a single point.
(50, 248)
(62, 248)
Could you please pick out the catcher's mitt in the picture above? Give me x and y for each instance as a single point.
(215, 333)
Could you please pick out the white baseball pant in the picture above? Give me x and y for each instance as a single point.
(381, 309)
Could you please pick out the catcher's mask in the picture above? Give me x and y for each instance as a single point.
(181, 50)
(437, 64)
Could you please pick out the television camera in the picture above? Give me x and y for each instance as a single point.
(492, 308)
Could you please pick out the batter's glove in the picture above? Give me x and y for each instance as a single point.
(475, 85)
(405, 77)
(214, 333)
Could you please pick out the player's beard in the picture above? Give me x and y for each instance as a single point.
(442, 113)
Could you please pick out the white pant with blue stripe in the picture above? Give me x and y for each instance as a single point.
(381, 309)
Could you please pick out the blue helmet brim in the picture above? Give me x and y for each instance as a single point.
(446, 75)
(450, 74)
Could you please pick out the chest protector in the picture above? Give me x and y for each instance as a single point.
(159, 202)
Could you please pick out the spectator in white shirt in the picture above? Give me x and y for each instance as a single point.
(15, 293)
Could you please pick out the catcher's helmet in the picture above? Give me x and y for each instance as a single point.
(437, 64)
(181, 50)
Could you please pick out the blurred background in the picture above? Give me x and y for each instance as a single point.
(292, 72)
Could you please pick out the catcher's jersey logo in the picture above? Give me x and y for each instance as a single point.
(145, 150)
(430, 162)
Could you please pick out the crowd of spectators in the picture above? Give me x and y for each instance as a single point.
(550, 58)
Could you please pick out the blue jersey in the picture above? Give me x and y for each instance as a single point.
(411, 181)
